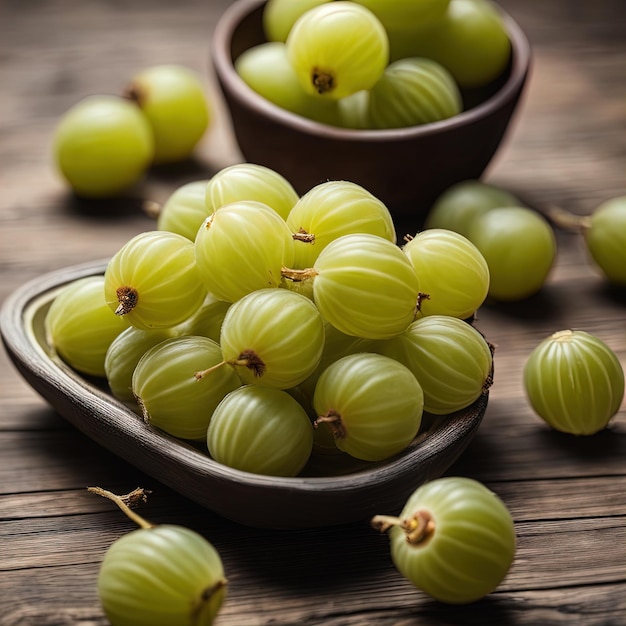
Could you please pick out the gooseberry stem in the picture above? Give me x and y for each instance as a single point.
(418, 528)
(125, 503)
(209, 370)
(567, 220)
(303, 236)
(152, 209)
(298, 275)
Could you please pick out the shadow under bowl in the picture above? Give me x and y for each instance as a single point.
(406, 168)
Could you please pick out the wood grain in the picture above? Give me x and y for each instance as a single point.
(567, 147)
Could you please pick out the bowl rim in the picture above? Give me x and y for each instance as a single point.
(115, 427)
(238, 89)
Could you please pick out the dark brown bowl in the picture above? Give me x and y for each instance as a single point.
(340, 493)
(406, 168)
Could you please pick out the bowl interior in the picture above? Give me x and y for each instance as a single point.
(407, 168)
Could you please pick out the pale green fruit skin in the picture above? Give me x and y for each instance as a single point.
(343, 40)
(170, 396)
(261, 430)
(123, 355)
(250, 182)
(520, 248)
(354, 111)
(379, 401)
(280, 15)
(450, 359)
(80, 326)
(332, 209)
(185, 210)
(459, 205)
(173, 101)
(366, 286)
(266, 69)
(336, 346)
(243, 247)
(412, 92)
(283, 328)
(158, 576)
(406, 14)
(470, 40)
(472, 547)
(451, 270)
(102, 146)
(207, 320)
(605, 237)
(161, 267)
(574, 382)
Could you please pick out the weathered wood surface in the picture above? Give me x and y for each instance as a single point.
(567, 147)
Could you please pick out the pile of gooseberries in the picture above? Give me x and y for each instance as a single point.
(375, 64)
(253, 288)
(105, 143)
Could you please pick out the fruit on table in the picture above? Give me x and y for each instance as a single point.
(103, 145)
(457, 207)
(172, 99)
(337, 49)
(159, 575)
(519, 246)
(605, 236)
(574, 382)
(454, 539)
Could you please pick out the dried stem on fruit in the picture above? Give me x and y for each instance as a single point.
(322, 80)
(562, 218)
(127, 502)
(304, 236)
(418, 528)
(298, 275)
(335, 424)
(127, 298)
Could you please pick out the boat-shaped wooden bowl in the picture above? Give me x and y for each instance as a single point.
(335, 491)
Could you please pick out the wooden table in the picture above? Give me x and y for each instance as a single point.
(567, 147)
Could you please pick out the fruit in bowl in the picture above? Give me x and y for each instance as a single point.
(308, 137)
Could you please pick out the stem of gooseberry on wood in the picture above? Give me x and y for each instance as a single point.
(126, 502)
(298, 275)
(418, 528)
(152, 208)
(567, 220)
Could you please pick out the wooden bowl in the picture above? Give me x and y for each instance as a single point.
(406, 168)
(343, 492)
